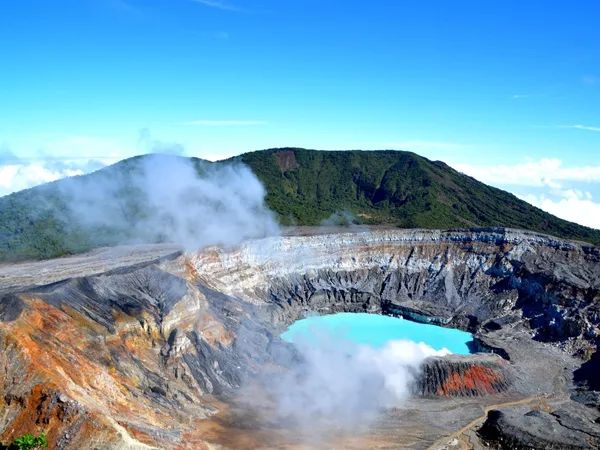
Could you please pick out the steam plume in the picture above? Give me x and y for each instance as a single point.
(343, 385)
(170, 199)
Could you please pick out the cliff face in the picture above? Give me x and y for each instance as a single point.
(125, 351)
(120, 359)
(457, 376)
(468, 280)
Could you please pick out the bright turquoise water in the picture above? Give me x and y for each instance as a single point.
(376, 330)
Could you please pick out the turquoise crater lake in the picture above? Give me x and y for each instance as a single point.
(376, 331)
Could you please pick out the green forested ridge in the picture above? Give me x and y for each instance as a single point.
(394, 187)
(304, 187)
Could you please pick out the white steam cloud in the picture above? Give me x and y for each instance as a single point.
(342, 385)
(170, 199)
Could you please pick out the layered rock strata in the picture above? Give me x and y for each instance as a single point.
(460, 376)
(471, 280)
(146, 350)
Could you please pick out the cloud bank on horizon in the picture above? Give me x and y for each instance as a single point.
(569, 192)
(17, 173)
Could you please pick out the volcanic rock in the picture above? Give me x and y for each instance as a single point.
(147, 347)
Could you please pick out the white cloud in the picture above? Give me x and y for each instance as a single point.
(542, 172)
(31, 164)
(75, 147)
(226, 123)
(16, 176)
(573, 205)
(584, 127)
(553, 177)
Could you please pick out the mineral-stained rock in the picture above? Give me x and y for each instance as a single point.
(470, 376)
(119, 349)
(464, 279)
(122, 359)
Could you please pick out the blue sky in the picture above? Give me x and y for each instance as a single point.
(508, 91)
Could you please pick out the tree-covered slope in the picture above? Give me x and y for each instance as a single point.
(402, 188)
(304, 187)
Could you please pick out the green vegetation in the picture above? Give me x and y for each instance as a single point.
(27, 442)
(304, 187)
(391, 187)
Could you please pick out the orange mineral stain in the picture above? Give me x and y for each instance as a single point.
(478, 378)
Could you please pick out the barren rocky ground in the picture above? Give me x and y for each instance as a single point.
(148, 347)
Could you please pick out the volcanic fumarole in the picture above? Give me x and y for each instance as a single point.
(144, 346)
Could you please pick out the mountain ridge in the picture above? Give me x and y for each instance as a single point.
(303, 187)
(410, 191)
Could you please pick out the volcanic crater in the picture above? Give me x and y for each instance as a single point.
(150, 347)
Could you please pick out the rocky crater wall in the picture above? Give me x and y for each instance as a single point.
(142, 354)
(470, 280)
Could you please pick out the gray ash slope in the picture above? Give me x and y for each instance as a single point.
(159, 342)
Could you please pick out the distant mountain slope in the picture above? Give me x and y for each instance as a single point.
(304, 187)
(396, 187)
